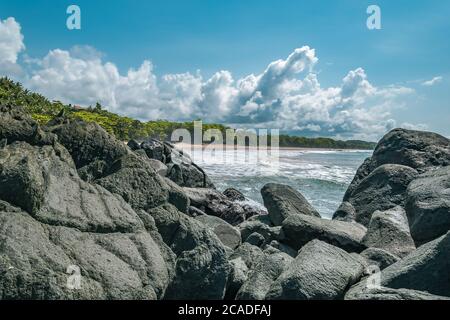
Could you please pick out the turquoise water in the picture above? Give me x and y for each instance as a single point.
(321, 176)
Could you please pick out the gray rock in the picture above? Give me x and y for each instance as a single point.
(263, 218)
(252, 208)
(87, 142)
(425, 269)
(283, 248)
(177, 196)
(202, 268)
(93, 171)
(416, 149)
(212, 202)
(255, 226)
(234, 195)
(134, 145)
(238, 276)
(428, 205)
(154, 149)
(282, 201)
(194, 212)
(262, 276)
(346, 212)
(249, 253)
(227, 234)
(363, 172)
(45, 184)
(136, 182)
(255, 239)
(183, 171)
(384, 293)
(17, 125)
(298, 230)
(420, 150)
(389, 230)
(158, 166)
(37, 261)
(383, 189)
(379, 257)
(320, 271)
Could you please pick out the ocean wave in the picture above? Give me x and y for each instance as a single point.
(314, 173)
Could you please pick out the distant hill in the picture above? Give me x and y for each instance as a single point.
(125, 128)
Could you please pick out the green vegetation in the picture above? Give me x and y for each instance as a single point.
(328, 143)
(125, 128)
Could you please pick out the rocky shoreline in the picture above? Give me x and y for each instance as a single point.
(143, 222)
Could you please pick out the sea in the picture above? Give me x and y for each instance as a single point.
(322, 176)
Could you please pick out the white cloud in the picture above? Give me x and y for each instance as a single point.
(433, 81)
(287, 95)
(63, 77)
(410, 126)
(11, 44)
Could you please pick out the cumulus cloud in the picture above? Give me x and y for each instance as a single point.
(432, 82)
(411, 126)
(286, 95)
(11, 44)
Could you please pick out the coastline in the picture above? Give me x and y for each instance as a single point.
(181, 145)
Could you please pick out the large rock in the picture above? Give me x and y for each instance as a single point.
(262, 276)
(428, 205)
(37, 261)
(227, 234)
(282, 247)
(202, 268)
(177, 196)
(136, 181)
(234, 195)
(300, 229)
(17, 125)
(158, 166)
(214, 203)
(319, 272)
(254, 226)
(255, 239)
(238, 276)
(389, 230)
(379, 258)
(249, 253)
(416, 149)
(282, 201)
(425, 269)
(361, 292)
(346, 212)
(44, 182)
(154, 150)
(180, 167)
(420, 150)
(87, 141)
(382, 189)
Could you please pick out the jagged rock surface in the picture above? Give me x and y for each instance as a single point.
(298, 230)
(283, 201)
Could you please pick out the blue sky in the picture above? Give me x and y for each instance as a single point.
(242, 38)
